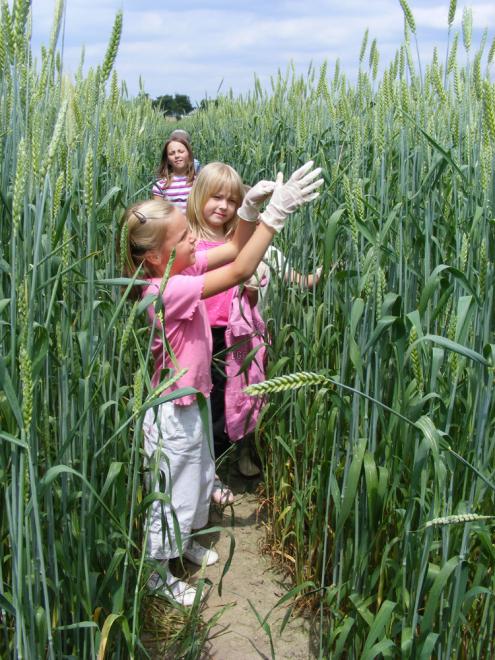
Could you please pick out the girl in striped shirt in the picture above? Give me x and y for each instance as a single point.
(176, 173)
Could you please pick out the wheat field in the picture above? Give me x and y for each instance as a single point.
(378, 435)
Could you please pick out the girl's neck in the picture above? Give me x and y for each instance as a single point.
(215, 234)
(181, 171)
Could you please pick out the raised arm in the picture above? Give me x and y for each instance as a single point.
(223, 254)
(286, 198)
(244, 265)
(304, 281)
(248, 214)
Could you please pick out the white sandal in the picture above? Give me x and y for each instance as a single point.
(221, 494)
(173, 588)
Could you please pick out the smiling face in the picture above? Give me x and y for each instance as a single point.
(178, 157)
(218, 210)
(180, 237)
(212, 206)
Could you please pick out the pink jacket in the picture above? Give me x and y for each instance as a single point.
(245, 333)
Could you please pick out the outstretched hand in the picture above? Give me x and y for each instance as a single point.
(287, 197)
(254, 198)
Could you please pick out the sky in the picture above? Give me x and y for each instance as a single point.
(198, 47)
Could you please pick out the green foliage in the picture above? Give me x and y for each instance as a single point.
(173, 106)
(70, 414)
(379, 487)
(379, 481)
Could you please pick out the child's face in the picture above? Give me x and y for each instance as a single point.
(178, 157)
(220, 208)
(181, 238)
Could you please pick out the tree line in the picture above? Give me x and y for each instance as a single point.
(178, 105)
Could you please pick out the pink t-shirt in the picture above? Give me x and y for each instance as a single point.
(187, 330)
(218, 306)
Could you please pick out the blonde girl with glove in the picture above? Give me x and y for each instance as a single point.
(213, 211)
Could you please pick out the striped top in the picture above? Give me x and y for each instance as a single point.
(177, 192)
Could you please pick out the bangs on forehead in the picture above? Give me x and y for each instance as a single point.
(227, 181)
(227, 188)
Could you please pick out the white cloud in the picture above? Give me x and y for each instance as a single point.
(436, 16)
(191, 47)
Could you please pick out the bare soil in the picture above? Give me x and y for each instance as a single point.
(238, 634)
(251, 578)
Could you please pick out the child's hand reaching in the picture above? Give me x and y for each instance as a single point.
(287, 197)
(254, 198)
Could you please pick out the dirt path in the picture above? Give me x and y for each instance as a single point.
(238, 634)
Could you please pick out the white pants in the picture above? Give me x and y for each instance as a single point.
(180, 461)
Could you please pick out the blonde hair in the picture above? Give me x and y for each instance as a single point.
(211, 179)
(144, 228)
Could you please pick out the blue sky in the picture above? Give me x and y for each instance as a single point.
(192, 47)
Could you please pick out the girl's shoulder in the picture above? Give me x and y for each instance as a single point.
(152, 286)
(159, 186)
(179, 280)
(168, 291)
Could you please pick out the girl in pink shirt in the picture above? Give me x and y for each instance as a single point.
(212, 215)
(177, 434)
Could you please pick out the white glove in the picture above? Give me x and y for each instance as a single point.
(287, 197)
(253, 199)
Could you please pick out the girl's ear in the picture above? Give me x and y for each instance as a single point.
(152, 258)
